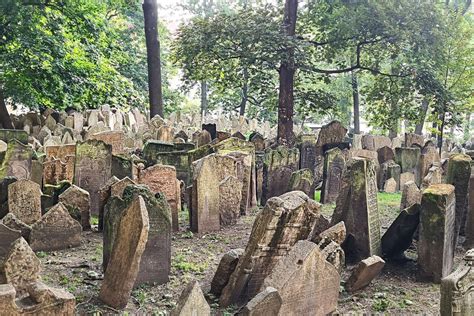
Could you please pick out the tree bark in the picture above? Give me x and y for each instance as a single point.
(5, 119)
(441, 132)
(356, 102)
(150, 13)
(204, 102)
(243, 102)
(393, 132)
(421, 122)
(285, 134)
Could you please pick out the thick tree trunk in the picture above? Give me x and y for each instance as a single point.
(421, 122)
(245, 88)
(5, 119)
(356, 102)
(150, 13)
(204, 103)
(287, 72)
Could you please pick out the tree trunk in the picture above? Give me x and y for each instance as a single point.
(5, 119)
(150, 13)
(356, 102)
(393, 132)
(441, 132)
(204, 103)
(421, 122)
(243, 103)
(287, 72)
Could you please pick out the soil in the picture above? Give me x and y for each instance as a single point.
(196, 256)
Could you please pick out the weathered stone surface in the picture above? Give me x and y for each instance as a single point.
(302, 180)
(385, 154)
(334, 166)
(104, 195)
(435, 245)
(456, 289)
(20, 267)
(192, 302)
(367, 270)
(306, 282)
(113, 138)
(374, 142)
(55, 230)
(357, 206)
(469, 243)
(122, 166)
(265, 303)
(408, 159)
(434, 176)
(331, 133)
(8, 135)
(428, 158)
(258, 140)
(60, 152)
(225, 268)
(7, 236)
(406, 177)
(388, 169)
(412, 140)
(410, 195)
(7, 300)
(398, 236)
(92, 169)
(390, 186)
(24, 200)
(77, 202)
(283, 221)
(333, 253)
(12, 222)
(230, 195)
(123, 267)
(336, 233)
(307, 147)
(459, 172)
(4, 183)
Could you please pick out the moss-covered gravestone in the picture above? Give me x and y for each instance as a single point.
(8, 135)
(435, 245)
(17, 161)
(302, 180)
(334, 165)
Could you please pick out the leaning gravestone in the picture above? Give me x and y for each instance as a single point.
(12, 222)
(24, 200)
(435, 245)
(225, 268)
(113, 138)
(334, 165)
(56, 230)
(77, 202)
(457, 296)
(306, 282)
(92, 169)
(192, 302)
(265, 303)
(123, 267)
(283, 221)
(357, 206)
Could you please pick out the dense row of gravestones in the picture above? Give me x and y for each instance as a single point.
(135, 175)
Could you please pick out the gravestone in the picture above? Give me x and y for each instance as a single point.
(283, 221)
(405, 178)
(265, 303)
(306, 282)
(459, 172)
(410, 195)
(307, 146)
(367, 270)
(225, 268)
(4, 183)
(56, 230)
(331, 133)
(92, 169)
(77, 202)
(17, 161)
(192, 302)
(230, 195)
(56, 170)
(20, 267)
(24, 200)
(334, 165)
(12, 222)
(113, 138)
(122, 166)
(165, 133)
(211, 129)
(434, 176)
(385, 154)
(357, 206)
(60, 152)
(8, 135)
(428, 158)
(258, 140)
(456, 289)
(302, 180)
(435, 245)
(469, 243)
(408, 159)
(412, 140)
(336, 233)
(123, 267)
(390, 186)
(7, 237)
(104, 194)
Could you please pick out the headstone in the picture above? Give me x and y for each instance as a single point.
(336, 233)
(24, 200)
(202, 138)
(434, 176)
(165, 133)
(412, 140)
(390, 186)
(92, 168)
(408, 159)
(265, 303)
(123, 267)
(283, 221)
(367, 270)
(410, 195)
(113, 138)
(357, 206)
(428, 158)
(211, 129)
(77, 202)
(20, 267)
(55, 230)
(12, 222)
(306, 282)
(334, 165)
(7, 237)
(8, 135)
(192, 302)
(435, 245)
(225, 268)
(302, 180)
(258, 140)
(405, 178)
(330, 133)
(456, 289)
(230, 195)
(399, 235)
(17, 161)
(385, 154)
(469, 243)
(4, 183)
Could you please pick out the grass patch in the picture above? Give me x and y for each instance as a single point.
(94, 220)
(181, 263)
(41, 254)
(70, 283)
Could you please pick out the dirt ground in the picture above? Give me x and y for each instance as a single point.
(196, 256)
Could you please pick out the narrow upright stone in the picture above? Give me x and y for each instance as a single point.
(334, 166)
(469, 243)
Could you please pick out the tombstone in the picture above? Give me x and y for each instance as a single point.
(405, 178)
(278, 166)
(336, 233)
(24, 200)
(78, 121)
(230, 195)
(357, 206)
(283, 221)
(302, 180)
(92, 168)
(7, 237)
(265, 303)
(223, 135)
(435, 245)
(211, 128)
(17, 161)
(306, 282)
(56, 171)
(434, 176)
(385, 154)
(428, 158)
(456, 289)
(334, 165)
(330, 133)
(469, 243)
(122, 166)
(113, 138)
(8, 135)
(412, 140)
(12, 222)
(165, 133)
(161, 178)
(367, 270)
(104, 195)
(123, 267)
(156, 258)
(60, 152)
(56, 230)
(77, 202)
(258, 140)
(192, 302)
(375, 142)
(459, 172)
(307, 148)
(20, 266)
(399, 235)
(408, 159)
(410, 195)
(225, 268)
(4, 183)
(239, 135)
